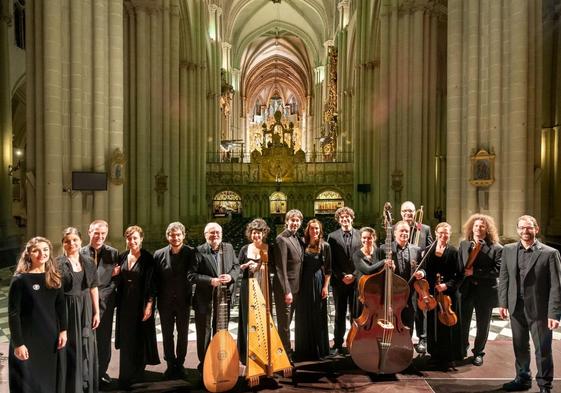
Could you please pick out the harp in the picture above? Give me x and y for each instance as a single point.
(265, 352)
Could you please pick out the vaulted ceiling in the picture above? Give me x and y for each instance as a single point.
(277, 44)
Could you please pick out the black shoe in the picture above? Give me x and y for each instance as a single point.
(105, 379)
(180, 371)
(543, 389)
(477, 360)
(169, 373)
(336, 351)
(421, 347)
(517, 385)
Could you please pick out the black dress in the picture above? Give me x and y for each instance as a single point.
(80, 362)
(364, 265)
(135, 339)
(311, 333)
(36, 316)
(443, 342)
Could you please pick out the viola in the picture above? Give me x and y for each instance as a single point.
(425, 301)
(446, 315)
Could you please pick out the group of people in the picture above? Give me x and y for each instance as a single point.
(61, 310)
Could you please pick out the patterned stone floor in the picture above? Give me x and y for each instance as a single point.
(499, 329)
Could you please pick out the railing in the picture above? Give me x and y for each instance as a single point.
(232, 157)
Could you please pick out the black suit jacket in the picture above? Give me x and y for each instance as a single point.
(171, 289)
(341, 263)
(487, 263)
(425, 238)
(411, 251)
(542, 288)
(289, 254)
(205, 269)
(107, 258)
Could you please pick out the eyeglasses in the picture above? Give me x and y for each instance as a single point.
(526, 228)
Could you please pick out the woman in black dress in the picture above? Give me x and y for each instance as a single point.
(79, 279)
(250, 264)
(365, 260)
(311, 334)
(443, 342)
(38, 321)
(135, 334)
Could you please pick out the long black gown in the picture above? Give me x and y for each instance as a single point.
(36, 316)
(135, 339)
(444, 343)
(311, 333)
(80, 362)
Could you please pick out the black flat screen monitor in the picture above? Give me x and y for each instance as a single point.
(89, 181)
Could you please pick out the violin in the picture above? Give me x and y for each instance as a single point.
(446, 315)
(425, 301)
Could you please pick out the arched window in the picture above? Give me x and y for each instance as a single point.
(327, 202)
(225, 203)
(277, 203)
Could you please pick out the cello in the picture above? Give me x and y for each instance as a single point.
(379, 342)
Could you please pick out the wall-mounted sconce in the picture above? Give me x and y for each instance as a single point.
(18, 154)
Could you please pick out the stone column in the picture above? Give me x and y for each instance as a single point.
(8, 231)
(72, 48)
(493, 95)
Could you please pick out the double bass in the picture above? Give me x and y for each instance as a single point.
(379, 342)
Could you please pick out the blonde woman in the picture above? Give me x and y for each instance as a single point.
(38, 321)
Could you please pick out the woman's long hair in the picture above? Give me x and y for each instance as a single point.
(313, 248)
(52, 276)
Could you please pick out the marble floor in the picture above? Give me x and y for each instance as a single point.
(337, 374)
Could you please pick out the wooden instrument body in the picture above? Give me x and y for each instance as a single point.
(222, 361)
(446, 315)
(266, 354)
(425, 301)
(378, 341)
(381, 346)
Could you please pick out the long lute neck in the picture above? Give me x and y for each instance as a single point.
(222, 311)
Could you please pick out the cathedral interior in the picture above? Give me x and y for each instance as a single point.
(151, 111)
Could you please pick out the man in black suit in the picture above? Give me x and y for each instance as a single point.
(106, 259)
(216, 264)
(344, 242)
(174, 291)
(289, 254)
(530, 292)
(480, 255)
(423, 234)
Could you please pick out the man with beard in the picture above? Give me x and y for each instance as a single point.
(530, 293)
(289, 254)
(172, 264)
